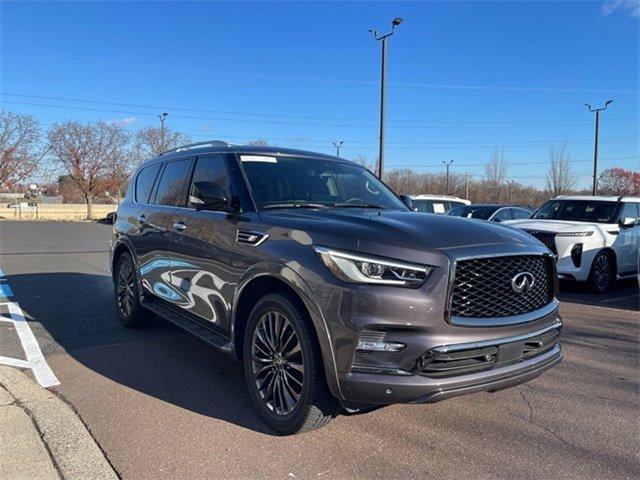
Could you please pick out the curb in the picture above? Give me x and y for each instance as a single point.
(74, 452)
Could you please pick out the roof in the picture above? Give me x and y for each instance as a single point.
(600, 198)
(218, 146)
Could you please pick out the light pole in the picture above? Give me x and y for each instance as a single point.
(383, 80)
(595, 147)
(338, 144)
(466, 181)
(510, 183)
(446, 183)
(162, 117)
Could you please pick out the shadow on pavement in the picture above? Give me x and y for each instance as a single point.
(625, 295)
(77, 314)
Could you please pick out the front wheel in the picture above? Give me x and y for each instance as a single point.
(603, 273)
(283, 367)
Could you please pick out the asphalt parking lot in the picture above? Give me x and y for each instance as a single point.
(161, 404)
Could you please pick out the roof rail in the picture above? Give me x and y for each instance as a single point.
(213, 143)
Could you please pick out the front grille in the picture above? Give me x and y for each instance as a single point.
(548, 238)
(482, 287)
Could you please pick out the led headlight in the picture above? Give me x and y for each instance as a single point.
(574, 234)
(364, 269)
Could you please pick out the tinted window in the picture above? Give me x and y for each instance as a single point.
(211, 169)
(502, 215)
(628, 210)
(519, 213)
(578, 211)
(278, 182)
(425, 206)
(144, 182)
(473, 211)
(173, 184)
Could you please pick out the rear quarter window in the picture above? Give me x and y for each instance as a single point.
(144, 182)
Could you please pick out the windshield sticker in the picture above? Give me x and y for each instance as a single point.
(258, 158)
(438, 208)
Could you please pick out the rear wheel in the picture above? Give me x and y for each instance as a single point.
(127, 298)
(603, 273)
(283, 368)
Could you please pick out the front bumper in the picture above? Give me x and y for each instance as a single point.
(384, 388)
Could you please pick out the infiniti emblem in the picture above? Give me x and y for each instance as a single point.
(522, 282)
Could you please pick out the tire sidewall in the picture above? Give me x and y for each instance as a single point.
(289, 423)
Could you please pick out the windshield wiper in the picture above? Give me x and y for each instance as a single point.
(294, 205)
(358, 205)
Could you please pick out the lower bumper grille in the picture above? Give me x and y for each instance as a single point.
(442, 362)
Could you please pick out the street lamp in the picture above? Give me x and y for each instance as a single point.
(338, 144)
(162, 117)
(396, 21)
(446, 184)
(595, 147)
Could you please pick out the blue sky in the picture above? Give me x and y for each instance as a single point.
(464, 77)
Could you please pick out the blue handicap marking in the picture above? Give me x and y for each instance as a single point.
(5, 290)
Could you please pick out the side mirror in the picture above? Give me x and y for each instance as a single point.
(627, 222)
(208, 196)
(407, 200)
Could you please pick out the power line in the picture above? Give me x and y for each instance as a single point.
(524, 122)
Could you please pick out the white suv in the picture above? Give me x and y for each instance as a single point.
(595, 239)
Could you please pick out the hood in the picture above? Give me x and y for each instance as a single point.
(369, 230)
(557, 226)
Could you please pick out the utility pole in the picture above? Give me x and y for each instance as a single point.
(466, 181)
(162, 117)
(383, 80)
(595, 146)
(446, 183)
(510, 183)
(338, 144)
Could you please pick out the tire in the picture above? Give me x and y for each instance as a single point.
(126, 294)
(602, 275)
(283, 367)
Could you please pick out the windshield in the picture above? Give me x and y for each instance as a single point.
(578, 211)
(473, 212)
(287, 182)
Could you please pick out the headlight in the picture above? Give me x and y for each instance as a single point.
(574, 234)
(372, 270)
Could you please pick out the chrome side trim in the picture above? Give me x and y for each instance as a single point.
(250, 237)
(498, 341)
(502, 321)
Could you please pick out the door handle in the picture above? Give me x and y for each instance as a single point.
(179, 226)
(142, 218)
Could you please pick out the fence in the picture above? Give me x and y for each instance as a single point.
(55, 211)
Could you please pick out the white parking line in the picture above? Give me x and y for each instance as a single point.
(617, 299)
(35, 359)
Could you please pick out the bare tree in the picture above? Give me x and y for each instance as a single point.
(152, 141)
(259, 142)
(559, 177)
(496, 173)
(20, 152)
(88, 153)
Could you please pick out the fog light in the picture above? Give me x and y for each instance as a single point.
(374, 341)
(379, 346)
(576, 254)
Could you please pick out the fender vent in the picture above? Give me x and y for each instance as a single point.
(250, 237)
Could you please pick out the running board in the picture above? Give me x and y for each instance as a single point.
(180, 320)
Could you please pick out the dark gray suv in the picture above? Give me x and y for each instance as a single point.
(327, 287)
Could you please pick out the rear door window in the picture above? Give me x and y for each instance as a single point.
(519, 213)
(172, 189)
(144, 182)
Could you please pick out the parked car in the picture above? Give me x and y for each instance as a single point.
(595, 239)
(327, 287)
(436, 203)
(492, 212)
